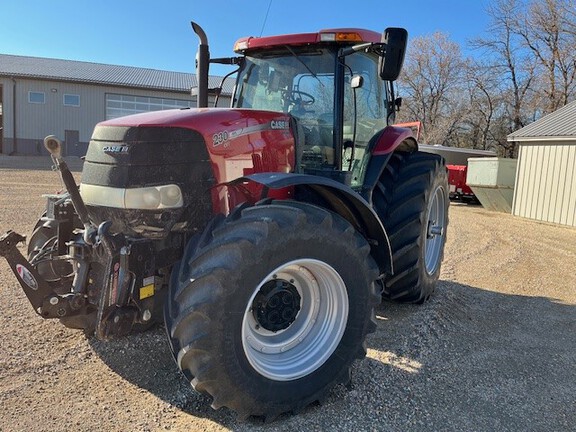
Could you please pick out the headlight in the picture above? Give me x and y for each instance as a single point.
(170, 196)
(142, 198)
(148, 198)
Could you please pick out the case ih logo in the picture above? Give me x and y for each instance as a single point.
(116, 149)
(280, 124)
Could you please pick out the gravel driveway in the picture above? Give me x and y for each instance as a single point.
(495, 349)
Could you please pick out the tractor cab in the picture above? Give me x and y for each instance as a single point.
(331, 84)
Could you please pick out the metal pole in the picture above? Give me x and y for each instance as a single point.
(14, 133)
(202, 63)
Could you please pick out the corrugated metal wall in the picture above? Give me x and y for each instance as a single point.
(546, 182)
(35, 121)
(7, 101)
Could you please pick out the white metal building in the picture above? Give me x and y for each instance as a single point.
(546, 174)
(41, 96)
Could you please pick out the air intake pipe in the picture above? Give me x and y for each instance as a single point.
(202, 63)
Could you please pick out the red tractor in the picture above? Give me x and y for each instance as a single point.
(264, 234)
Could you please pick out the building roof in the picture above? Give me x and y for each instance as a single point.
(558, 125)
(103, 74)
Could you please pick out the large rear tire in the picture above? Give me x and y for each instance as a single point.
(411, 199)
(271, 312)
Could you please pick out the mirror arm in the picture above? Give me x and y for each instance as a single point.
(377, 48)
(227, 60)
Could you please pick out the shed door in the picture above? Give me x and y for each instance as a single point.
(71, 143)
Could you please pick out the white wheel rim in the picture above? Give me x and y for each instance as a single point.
(436, 230)
(308, 341)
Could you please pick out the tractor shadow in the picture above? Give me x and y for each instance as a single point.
(145, 360)
(418, 353)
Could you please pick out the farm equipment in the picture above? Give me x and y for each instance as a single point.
(456, 159)
(264, 234)
(459, 190)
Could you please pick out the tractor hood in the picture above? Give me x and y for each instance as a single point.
(226, 133)
(172, 160)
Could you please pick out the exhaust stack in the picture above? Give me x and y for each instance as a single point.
(202, 63)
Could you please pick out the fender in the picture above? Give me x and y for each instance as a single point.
(393, 138)
(381, 146)
(336, 197)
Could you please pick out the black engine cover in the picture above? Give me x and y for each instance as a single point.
(136, 157)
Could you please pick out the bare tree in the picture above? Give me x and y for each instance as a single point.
(485, 99)
(512, 64)
(429, 82)
(525, 67)
(547, 29)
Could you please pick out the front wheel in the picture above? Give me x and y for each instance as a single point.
(271, 312)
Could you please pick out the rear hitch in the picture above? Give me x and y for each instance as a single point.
(46, 302)
(113, 313)
(115, 317)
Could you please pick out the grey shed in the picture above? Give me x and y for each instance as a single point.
(546, 174)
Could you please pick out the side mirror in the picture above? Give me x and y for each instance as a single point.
(390, 63)
(357, 81)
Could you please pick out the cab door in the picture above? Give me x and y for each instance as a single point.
(365, 112)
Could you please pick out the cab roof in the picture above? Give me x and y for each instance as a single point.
(342, 36)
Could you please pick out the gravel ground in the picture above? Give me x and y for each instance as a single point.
(495, 349)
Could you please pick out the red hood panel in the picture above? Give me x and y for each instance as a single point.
(240, 142)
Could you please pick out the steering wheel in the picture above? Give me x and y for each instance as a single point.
(299, 97)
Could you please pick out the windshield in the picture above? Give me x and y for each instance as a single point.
(301, 82)
(274, 81)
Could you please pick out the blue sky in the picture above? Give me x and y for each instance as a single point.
(157, 34)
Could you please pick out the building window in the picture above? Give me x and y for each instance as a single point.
(118, 105)
(36, 97)
(72, 100)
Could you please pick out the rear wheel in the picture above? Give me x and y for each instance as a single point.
(269, 315)
(411, 199)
